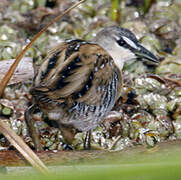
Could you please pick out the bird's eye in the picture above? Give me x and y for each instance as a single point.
(121, 42)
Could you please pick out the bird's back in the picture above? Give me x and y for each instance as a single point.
(77, 84)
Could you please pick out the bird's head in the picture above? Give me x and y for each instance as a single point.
(122, 45)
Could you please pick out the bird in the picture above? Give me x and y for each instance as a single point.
(80, 81)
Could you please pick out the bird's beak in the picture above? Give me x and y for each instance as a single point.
(144, 53)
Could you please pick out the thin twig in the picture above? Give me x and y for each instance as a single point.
(10, 72)
(13, 138)
(24, 149)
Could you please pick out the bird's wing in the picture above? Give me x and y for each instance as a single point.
(80, 71)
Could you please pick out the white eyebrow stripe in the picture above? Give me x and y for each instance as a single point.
(131, 43)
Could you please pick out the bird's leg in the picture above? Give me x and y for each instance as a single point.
(32, 129)
(68, 134)
(87, 140)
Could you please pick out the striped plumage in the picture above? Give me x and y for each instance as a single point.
(79, 82)
(77, 86)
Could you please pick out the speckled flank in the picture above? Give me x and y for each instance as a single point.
(67, 71)
(86, 87)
